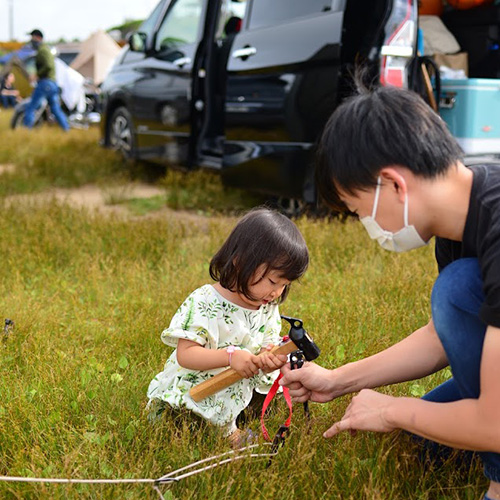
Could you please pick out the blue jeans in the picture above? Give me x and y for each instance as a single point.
(46, 89)
(9, 101)
(456, 299)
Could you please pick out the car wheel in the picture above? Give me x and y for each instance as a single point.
(121, 132)
(291, 207)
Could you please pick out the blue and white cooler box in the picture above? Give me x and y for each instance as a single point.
(471, 108)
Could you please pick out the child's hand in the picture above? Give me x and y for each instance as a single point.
(269, 362)
(245, 363)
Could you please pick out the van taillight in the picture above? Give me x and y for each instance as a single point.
(399, 44)
(393, 76)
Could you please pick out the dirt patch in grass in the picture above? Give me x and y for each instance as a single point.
(118, 200)
(7, 168)
(91, 197)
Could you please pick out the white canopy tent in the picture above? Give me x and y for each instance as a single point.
(96, 56)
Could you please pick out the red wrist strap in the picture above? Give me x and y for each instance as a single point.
(270, 395)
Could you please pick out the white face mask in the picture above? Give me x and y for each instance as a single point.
(405, 239)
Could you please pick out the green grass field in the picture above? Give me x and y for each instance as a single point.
(90, 294)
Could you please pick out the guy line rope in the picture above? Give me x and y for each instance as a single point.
(174, 476)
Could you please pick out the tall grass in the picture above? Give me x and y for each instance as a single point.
(90, 295)
(47, 157)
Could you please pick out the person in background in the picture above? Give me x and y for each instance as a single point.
(8, 93)
(46, 87)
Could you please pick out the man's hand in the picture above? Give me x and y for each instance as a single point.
(269, 362)
(367, 412)
(311, 382)
(245, 363)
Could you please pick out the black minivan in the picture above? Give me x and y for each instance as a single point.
(245, 87)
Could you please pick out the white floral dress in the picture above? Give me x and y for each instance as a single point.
(212, 321)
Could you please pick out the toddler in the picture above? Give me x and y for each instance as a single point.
(230, 322)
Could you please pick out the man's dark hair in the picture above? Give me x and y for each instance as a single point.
(36, 32)
(261, 237)
(379, 128)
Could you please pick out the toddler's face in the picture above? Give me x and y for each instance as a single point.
(266, 287)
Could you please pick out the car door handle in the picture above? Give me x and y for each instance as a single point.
(182, 61)
(244, 52)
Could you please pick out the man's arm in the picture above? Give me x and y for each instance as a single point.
(470, 424)
(13, 92)
(414, 357)
(418, 355)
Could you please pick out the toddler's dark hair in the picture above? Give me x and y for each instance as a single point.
(261, 237)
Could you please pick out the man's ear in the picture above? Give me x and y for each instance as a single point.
(392, 176)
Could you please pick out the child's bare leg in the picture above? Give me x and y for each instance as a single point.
(236, 438)
(239, 438)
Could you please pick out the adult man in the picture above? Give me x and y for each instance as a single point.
(46, 87)
(388, 158)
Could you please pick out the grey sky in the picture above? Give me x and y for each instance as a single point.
(69, 18)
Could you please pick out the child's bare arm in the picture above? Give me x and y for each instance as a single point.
(193, 356)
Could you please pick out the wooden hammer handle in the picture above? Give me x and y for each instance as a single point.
(230, 376)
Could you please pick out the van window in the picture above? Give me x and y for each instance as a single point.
(180, 26)
(147, 27)
(268, 13)
(150, 23)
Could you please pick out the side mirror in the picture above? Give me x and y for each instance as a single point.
(137, 42)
